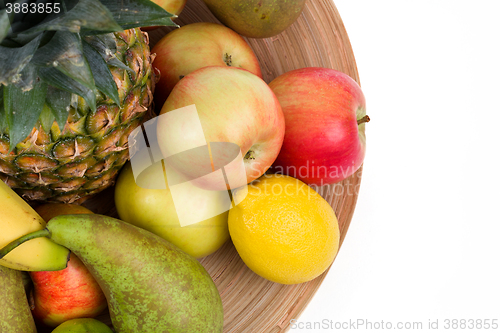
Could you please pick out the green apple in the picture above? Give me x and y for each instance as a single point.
(153, 209)
(82, 325)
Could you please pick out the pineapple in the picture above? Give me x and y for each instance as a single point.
(73, 85)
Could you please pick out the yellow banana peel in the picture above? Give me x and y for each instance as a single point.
(17, 219)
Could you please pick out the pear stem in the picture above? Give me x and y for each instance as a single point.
(365, 119)
(15, 243)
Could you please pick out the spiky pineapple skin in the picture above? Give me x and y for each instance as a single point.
(84, 158)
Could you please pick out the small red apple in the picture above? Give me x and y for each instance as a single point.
(66, 294)
(325, 116)
(198, 45)
(234, 106)
(69, 293)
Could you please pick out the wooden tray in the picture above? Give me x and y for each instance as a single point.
(251, 303)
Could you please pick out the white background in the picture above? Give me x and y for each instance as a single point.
(424, 240)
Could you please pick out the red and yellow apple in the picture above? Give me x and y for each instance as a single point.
(58, 296)
(233, 106)
(172, 6)
(198, 45)
(325, 116)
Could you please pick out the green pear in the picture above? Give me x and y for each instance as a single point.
(256, 18)
(150, 285)
(15, 313)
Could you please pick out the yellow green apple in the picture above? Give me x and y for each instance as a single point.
(82, 325)
(152, 208)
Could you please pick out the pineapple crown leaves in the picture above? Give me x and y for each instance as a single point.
(51, 51)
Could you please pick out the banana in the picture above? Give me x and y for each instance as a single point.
(17, 218)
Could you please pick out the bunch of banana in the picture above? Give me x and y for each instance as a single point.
(18, 219)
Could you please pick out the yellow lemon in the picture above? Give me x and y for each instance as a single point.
(284, 230)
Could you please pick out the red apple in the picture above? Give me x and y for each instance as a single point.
(69, 293)
(233, 106)
(198, 45)
(325, 118)
(66, 294)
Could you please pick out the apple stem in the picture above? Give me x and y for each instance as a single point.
(228, 60)
(365, 119)
(15, 243)
(249, 155)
